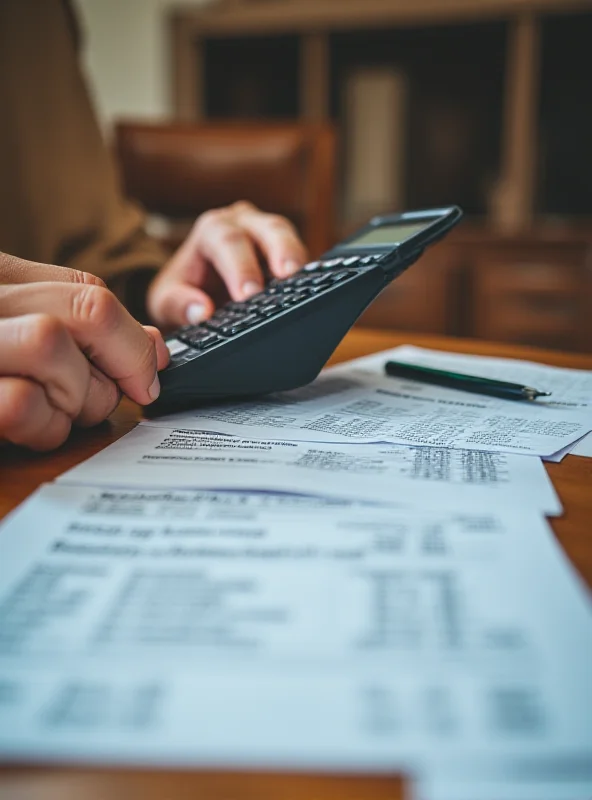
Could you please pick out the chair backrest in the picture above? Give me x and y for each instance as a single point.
(181, 170)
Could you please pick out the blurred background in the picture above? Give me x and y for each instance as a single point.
(330, 111)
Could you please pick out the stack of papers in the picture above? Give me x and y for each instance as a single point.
(571, 389)
(357, 575)
(384, 473)
(357, 403)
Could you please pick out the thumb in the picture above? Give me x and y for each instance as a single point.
(18, 270)
(173, 303)
(162, 352)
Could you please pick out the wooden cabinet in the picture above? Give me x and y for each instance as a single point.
(531, 290)
(534, 295)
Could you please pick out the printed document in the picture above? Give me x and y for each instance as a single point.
(570, 388)
(583, 447)
(555, 777)
(219, 628)
(467, 479)
(354, 402)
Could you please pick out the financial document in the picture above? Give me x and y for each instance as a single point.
(583, 447)
(387, 473)
(356, 402)
(555, 777)
(220, 628)
(570, 388)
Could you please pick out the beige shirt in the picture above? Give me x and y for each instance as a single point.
(59, 198)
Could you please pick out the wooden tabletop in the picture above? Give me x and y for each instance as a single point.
(21, 473)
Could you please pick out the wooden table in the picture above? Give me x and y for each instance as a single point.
(21, 473)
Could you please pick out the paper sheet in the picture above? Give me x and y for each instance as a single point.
(570, 388)
(167, 627)
(563, 777)
(354, 402)
(468, 479)
(583, 447)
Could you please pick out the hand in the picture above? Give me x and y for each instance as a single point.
(68, 349)
(224, 242)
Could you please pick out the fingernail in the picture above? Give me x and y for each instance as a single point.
(290, 266)
(251, 288)
(154, 389)
(195, 313)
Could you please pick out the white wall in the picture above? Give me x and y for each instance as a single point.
(126, 56)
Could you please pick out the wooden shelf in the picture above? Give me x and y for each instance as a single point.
(253, 17)
(300, 40)
(478, 88)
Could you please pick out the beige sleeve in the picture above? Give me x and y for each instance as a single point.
(61, 202)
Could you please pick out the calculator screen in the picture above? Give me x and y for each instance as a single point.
(389, 234)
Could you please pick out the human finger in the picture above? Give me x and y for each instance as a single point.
(231, 250)
(19, 270)
(277, 239)
(102, 398)
(39, 347)
(28, 418)
(108, 335)
(173, 301)
(162, 352)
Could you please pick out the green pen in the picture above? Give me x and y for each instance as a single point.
(462, 382)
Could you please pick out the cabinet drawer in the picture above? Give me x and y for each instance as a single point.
(532, 276)
(532, 301)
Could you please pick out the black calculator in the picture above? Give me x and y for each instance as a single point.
(282, 337)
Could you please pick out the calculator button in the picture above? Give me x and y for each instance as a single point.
(349, 262)
(254, 302)
(199, 338)
(301, 295)
(302, 280)
(341, 276)
(368, 260)
(239, 327)
(224, 313)
(283, 282)
(322, 280)
(233, 325)
(186, 330)
(186, 333)
(332, 262)
(289, 300)
(217, 324)
(269, 310)
(312, 266)
(207, 343)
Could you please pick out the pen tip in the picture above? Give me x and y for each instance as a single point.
(531, 394)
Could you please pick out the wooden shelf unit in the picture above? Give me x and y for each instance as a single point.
(309, 25)
(520, 269)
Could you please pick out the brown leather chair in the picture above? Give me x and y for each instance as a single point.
(181, 170)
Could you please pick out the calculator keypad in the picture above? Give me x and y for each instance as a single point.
(236, 317)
